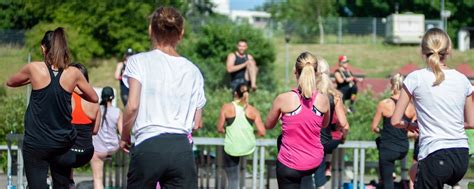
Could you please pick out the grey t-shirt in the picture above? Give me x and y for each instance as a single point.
(440, 109)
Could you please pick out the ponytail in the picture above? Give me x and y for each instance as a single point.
(396, 83)
(434, 62)
(323, 82)
(306, 67)
(56, 50)
(436, 45)
(307, 80)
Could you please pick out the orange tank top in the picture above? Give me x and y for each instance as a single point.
(78, 115)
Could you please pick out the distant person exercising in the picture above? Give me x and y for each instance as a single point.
(242, 67)
(303, 112)
(119, 73)
(164, 106)
(346, 82)
(49, 133)
(444, 109)
(393, 142)
(236, 120)
(106, 142)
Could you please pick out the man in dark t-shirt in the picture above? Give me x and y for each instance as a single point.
(242, 67)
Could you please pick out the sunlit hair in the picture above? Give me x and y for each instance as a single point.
(166, 26)
(324, 83)
(396, 82)
(306, 68)
(56, 51)
(435, 46)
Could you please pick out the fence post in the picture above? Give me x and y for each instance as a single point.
(356, 168)
(255, 168)
(339, 30)
(374, 30)
(362, 167)
(262, 167)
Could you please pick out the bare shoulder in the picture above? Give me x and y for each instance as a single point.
(250, 56)
(252, 109)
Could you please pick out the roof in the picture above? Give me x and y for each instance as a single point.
(408, 68)
(376, 85)
(465, 69)
(354, 70)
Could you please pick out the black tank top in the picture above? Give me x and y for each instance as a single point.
(344, 74)
(48, 116)
(326, 136)
(393, 138)
(241, 73)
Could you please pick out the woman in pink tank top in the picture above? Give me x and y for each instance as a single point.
(303, 114)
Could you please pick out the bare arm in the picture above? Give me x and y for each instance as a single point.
(97, 122)
(400, 109)
(377, 117)
(118, 71)
(120, 123)
(274, 113)
(221, 119)
(341, 114)
(230, 64)
(469, 113)
(131, 112)
(20, 78)
(259, 123)
(88, 93)
(197, 119)
(338, 77)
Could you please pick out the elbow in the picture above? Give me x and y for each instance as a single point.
(131, 107)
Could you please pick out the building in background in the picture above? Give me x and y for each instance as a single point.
(259, 19)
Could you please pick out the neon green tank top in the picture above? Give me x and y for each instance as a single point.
(239, 136)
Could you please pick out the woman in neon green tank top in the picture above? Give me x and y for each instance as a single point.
(236, 120)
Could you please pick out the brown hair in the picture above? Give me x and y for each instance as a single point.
(306, 68)
(166, 26)
(436, 45)
(56, 50)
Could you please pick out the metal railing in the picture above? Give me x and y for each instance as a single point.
(209, 161)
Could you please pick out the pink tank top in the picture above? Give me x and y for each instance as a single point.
(301, 147)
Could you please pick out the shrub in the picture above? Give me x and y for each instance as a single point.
(81, 45)
(211, 44)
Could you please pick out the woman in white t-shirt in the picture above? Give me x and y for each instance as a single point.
(164, 106)
(442, 98)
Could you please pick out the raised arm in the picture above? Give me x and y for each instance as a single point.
(131, 112)
(377, 117)
(230, 64)
(274, 113)
(400, 109)
(341, 113)
(20, 78)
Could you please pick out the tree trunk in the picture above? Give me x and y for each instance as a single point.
(321, 29)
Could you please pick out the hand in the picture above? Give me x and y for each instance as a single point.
(413, 127)
(376, 130)
(125, 145)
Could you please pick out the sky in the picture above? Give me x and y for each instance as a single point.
(245, 4)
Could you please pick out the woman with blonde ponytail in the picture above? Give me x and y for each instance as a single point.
(303, 112)
(338, 127)
(393, 142)
(442, 98)
(236, 120)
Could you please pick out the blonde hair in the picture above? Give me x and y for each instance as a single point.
(436, 45)
(324, 83)
(306, 67)
(396, 82)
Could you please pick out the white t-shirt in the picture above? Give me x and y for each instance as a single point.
(440, 109)
(172, 90)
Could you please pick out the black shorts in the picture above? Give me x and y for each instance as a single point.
(236, 82)
(445, 166)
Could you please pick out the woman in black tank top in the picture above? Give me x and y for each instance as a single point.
(393, 142)
(48, 129)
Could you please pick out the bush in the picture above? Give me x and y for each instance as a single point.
(12, 110)
(209, 46)
(82, 46)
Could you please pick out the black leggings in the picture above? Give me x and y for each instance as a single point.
(167, 158)
(37, 162)
(387, 165)
(347, 91)
(289, 178)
